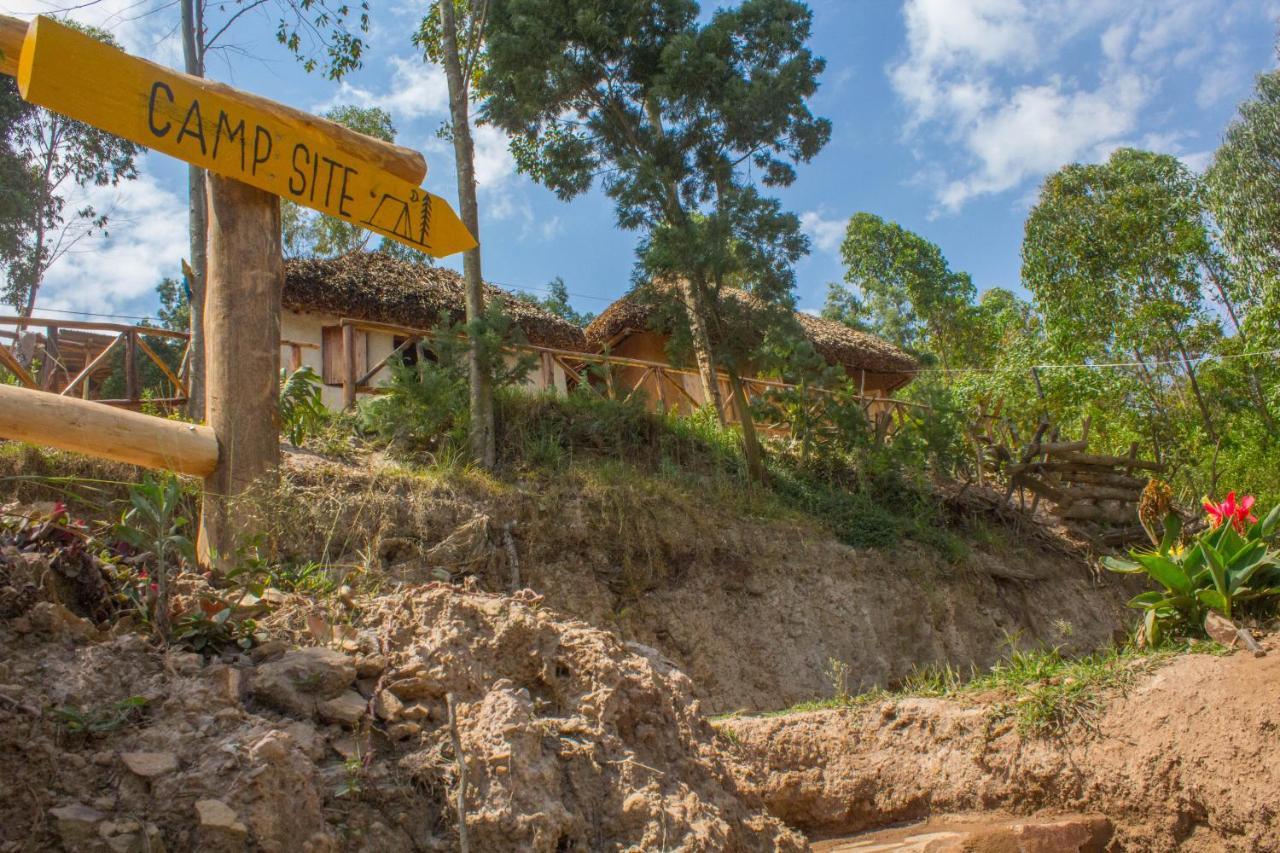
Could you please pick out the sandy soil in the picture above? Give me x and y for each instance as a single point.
(1188, 759)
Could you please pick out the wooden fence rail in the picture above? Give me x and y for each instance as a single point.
(75, 357)
(661, 383)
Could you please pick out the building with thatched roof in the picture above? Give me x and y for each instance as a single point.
(631, 328)
(376, 290)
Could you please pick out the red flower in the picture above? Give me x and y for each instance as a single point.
(1236, 513)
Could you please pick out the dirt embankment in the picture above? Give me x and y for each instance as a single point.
(570, 740)
(753, 609)
(1189, 759)
(753, 604)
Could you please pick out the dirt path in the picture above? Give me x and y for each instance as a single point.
(1189, 758)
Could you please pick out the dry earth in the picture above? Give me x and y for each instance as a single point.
(571, 739)
(752, 609)
(1187, 760)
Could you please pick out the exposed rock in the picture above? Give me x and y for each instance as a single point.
(148, 765)
(966, 834)
(284, 802)
(219, 826)
(347, 708)
(388, 706)
(130, 836)
(370, 666)
(294, 683)
(270, 650)
(77, 825)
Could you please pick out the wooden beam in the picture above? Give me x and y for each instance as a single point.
(178, 384)
(349, 385)
(132, 381)
(12, 32)
(242, 358)
(87, 326)
(15, 367)
(82, 426)
(369, 374)
(92, 366)
(49, 363)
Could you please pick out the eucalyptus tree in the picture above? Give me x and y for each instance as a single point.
(1243, 192)
(1115, 254)
(320, 35)
(682, 118)
(901, 287)
(51, 158)
(453, 35)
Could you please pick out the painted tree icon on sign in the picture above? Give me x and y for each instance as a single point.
(395, 215)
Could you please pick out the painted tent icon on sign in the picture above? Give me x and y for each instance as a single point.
(396, 215)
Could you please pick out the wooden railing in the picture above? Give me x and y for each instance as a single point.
(599, 373)
(73, 354)
(75, 358)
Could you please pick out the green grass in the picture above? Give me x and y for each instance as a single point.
(1042, 691)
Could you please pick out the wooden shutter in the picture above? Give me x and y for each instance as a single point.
(331, 353)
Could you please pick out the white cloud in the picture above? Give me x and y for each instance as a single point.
(145, 29)
(147, 240)
(985, 79)
(825, 233)
(415, 89)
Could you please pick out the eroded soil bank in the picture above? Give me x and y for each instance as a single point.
(752, 608)
(752, 604)
(1187, 760)
(570, 740)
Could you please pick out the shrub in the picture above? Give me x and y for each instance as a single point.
(302, 411)
(1227, 566)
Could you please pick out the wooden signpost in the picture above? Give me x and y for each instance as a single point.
(256, 151)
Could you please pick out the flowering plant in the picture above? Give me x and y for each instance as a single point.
(1225, 566)
(1237, 514)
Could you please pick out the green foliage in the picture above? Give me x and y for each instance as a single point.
(100, 720)
(57, 154)
(557, 302)
(1042, 690)
(302, 411)
(906, 292)
(155, 525)
(715, 108)
(425, 407)
(1220, 569)
(1243, 192)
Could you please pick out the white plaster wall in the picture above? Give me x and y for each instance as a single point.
(305, 328)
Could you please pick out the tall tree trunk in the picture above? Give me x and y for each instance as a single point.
(197, 218)
(483, 441)
(695, 303)
(750, 440)
(1255, 386)
(1195, 385)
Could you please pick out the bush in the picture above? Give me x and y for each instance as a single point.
(1228, 567)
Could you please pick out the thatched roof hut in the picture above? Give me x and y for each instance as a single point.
(377, 287)
(836, 342)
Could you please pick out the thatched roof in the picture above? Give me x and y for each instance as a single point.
(374, 286)
(835, 342)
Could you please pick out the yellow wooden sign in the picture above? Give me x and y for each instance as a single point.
(235, 135)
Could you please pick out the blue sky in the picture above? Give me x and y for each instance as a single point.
(947, 115)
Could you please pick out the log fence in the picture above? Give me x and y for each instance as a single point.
(663, 385)
(75, 357)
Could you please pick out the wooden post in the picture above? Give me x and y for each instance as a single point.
(49, 364)
(132, 389)
(348, 365)
(242, 356)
